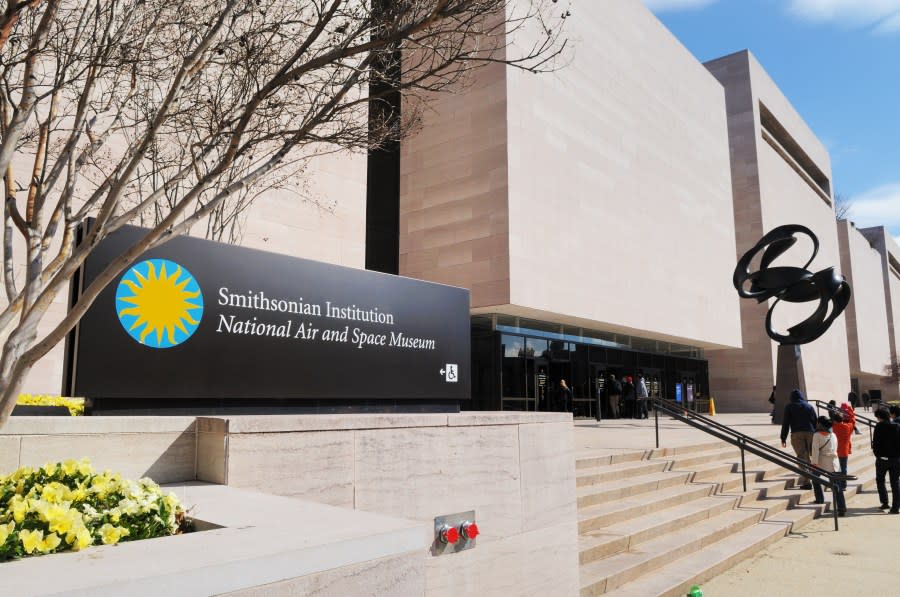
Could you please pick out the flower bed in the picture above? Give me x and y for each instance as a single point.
(68, 506)
(75, 405)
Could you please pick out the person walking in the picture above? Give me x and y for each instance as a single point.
(848, 412)
(565, 397)
(824, 456)
(642, 395)
(842, 427)
(886, 447)
(614, 394)
(853, 399)
(866, 400)
(800, 420)
(628, 395)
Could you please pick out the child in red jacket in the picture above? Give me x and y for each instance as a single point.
(842, 427)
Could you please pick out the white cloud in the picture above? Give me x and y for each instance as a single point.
(882, 15)
(664, 5)
(877, 207)
(889, 25)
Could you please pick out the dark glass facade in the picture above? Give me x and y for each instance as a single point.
(520, 367)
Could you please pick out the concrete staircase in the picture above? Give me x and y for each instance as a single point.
(658, 521)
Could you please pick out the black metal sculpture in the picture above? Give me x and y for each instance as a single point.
(792, 284)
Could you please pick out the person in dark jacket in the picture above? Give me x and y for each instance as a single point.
(628, 396)
(800, 419)
(895, 414)
(614, 395)
(565, 397)
(886, 447)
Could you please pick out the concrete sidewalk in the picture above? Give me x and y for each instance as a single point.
(859, 560)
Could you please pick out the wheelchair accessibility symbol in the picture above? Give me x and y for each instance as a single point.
(450, 373)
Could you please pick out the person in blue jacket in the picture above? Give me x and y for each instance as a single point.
(800, 419)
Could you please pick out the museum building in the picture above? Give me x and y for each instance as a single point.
(596, 214)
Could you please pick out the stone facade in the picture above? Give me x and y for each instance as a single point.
(781, 174)
(882, 242)
(586, 197)
(866, 314)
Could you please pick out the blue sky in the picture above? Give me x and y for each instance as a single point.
(837, 61)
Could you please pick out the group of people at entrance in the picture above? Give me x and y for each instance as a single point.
(626, 398)
(826, 443)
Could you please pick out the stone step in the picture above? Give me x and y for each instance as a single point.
(708, 446)
(640, 539)
(616, 472)
(627, 534)
(707, 457)
(597, 494)
(601, 515)
(604, 575)
(676, 578)
(589, 459)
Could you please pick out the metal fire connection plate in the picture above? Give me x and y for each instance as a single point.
(438, 547)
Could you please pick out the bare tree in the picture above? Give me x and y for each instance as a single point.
(131, 111)
(892, 371)
(842, 206)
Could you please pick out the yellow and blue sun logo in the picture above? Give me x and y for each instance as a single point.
(159, 303)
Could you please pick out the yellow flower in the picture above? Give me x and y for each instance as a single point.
(50, 543)
(110, 535)
(5, 531)
(19, 507)
(54, 492)
(82, 539)
(70, 467)
(64, 522)
(115, 514)
(31, 540)
(78, 494)
(49, 468)
(84, 467)
(172, 502)
(100, 485)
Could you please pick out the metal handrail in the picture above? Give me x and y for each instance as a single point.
(829, 479)
(870, 423)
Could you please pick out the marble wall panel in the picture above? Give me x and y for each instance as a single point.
(540, 563)
(423, 473)
(317, 466)
(9, 454)
(547, 458)
(212, 457)
(399, 576)
(164, 457)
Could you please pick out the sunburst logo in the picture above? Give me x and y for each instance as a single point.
(159, 303)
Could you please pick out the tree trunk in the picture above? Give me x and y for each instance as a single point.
(13, 370)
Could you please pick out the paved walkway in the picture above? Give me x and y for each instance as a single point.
(858, 560)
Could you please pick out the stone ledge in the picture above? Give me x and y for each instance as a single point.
(301, 423)
(266, 423)
(266, 539)
(94, 425)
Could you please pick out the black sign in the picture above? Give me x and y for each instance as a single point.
(198, 319)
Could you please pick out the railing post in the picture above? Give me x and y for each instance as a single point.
(656, 417)
(834, 504)
(743, 465)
